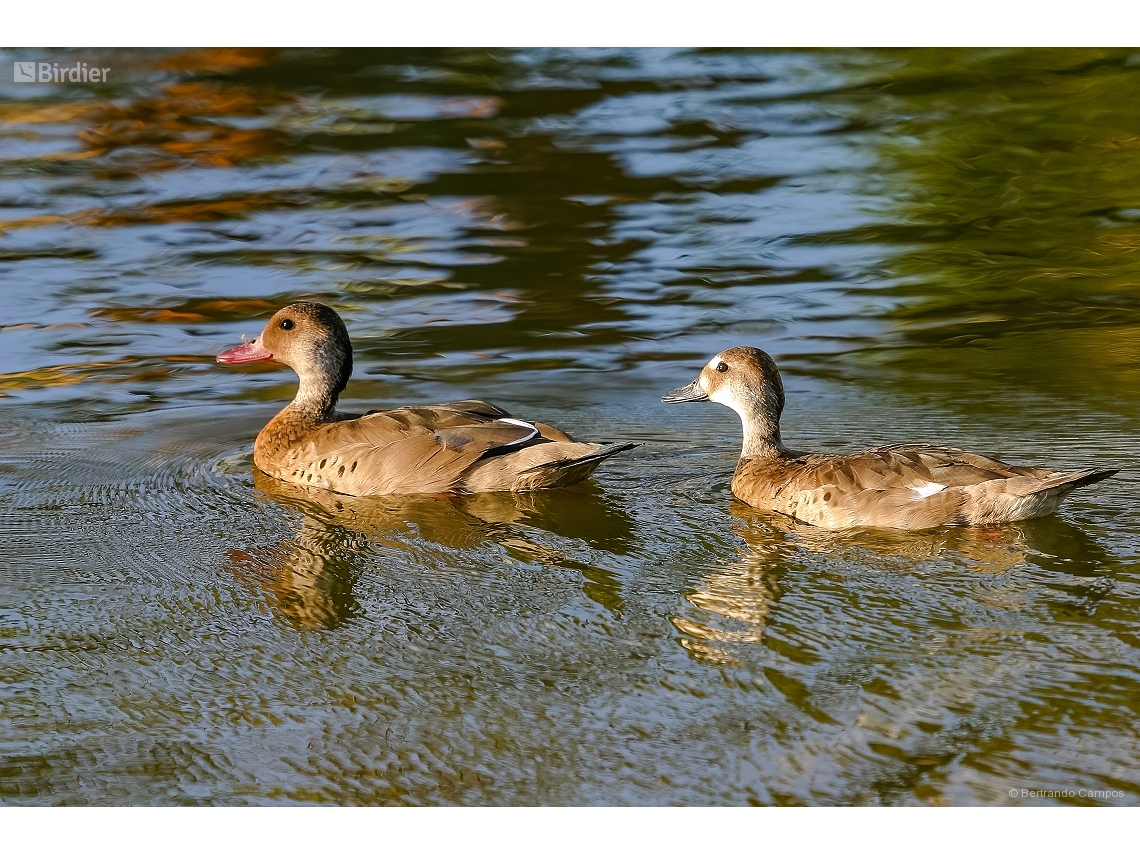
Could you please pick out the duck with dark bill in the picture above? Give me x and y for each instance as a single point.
(913, 486)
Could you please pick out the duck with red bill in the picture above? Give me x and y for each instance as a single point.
(251, 351)
(458, 447)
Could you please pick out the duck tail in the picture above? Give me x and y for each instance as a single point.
(1065, 483)
(564, 472)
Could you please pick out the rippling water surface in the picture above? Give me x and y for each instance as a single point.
(934, 245)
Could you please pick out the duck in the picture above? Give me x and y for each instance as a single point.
(458, 447)
(910, 487)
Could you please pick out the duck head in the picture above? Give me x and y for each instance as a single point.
(746, 380)
(312, 340)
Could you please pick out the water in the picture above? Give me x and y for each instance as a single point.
(934, 245)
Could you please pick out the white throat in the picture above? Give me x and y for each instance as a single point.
(761, 439)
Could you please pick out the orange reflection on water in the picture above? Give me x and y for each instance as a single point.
(217, 60)
(191, 312)
(184, 125)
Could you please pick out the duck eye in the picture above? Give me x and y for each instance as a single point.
(722, 367)
(286, 324)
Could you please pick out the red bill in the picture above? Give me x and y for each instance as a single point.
(251, 351)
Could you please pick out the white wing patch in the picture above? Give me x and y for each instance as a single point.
(520, 423)
(928, 489)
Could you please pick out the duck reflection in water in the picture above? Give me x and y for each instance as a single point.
(734, 603)
(309, 578)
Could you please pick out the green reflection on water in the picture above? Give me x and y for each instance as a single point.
(1014, 226)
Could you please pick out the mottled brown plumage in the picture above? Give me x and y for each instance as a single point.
(461, 447)
(896, 486)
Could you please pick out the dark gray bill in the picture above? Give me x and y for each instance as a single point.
(692, 392)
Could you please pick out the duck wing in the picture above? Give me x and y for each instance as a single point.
(408, 450)
(906, 486)
(954, 467)
(461, 414)
(442, 415)
(892, 467)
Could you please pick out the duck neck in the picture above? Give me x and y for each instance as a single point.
(760, 418)
(761, 441)
(315, 401)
